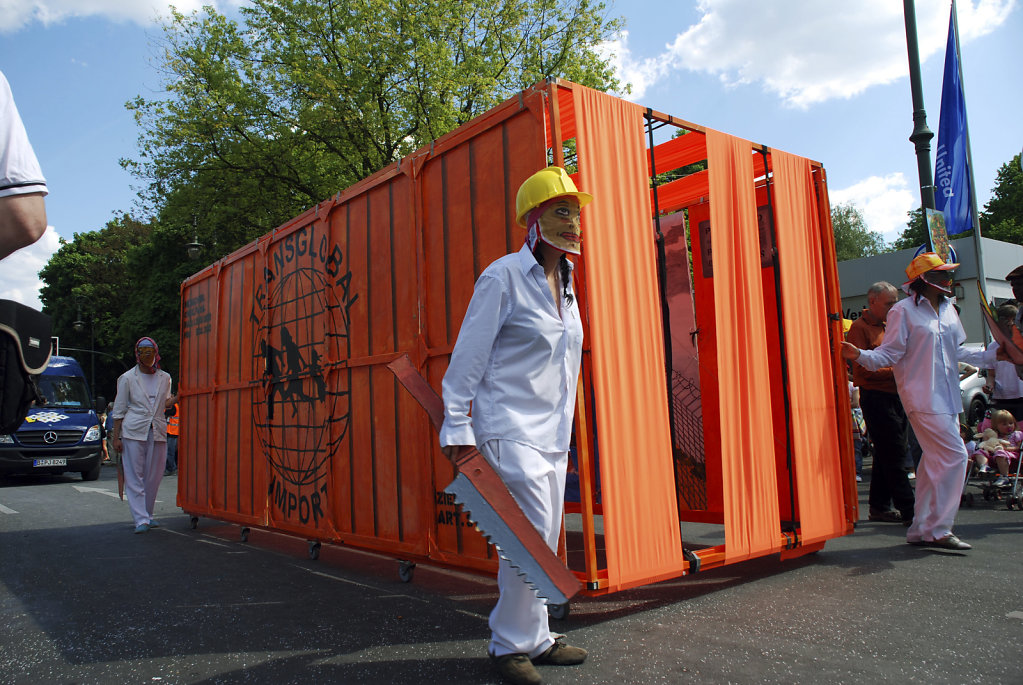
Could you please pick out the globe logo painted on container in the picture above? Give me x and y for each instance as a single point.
(302, 413)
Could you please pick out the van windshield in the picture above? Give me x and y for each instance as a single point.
(64, 391)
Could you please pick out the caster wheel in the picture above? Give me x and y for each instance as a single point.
(245, 535)
(314, 550)
(194, 522)
(558, 612)
(406, 569)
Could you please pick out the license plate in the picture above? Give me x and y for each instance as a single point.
(53, 461)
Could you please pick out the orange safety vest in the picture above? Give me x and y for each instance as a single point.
(172, 421)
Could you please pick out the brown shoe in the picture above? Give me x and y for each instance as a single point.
(890, 516)
(516, 669)
(561, 654)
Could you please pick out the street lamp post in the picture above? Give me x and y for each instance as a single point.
(194, 248)
(922, 135)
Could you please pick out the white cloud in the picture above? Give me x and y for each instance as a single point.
(882, 200)
(640, 73)
(807, 51)
(15, 14)
(20, 281)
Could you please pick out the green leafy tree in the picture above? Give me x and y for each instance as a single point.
(852, 237)
(915, 234)
(1002, 218)
(264, 118)
(88, 279)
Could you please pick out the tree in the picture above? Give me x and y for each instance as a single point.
(915, 234)
(1002, 218)
(852, 237)
(89, 277)
(262, 120)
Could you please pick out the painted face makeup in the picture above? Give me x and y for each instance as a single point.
(559, 225)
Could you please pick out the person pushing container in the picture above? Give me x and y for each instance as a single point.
(923, 341)
(516, 364)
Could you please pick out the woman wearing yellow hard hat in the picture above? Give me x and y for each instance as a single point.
(922, 343)
(515, 365)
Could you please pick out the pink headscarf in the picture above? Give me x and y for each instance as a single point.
(152, 343)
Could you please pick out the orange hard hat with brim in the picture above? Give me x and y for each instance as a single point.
(928, 261)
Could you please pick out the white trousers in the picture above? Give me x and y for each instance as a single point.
(143, 461)
(939, 477)
(518, 623)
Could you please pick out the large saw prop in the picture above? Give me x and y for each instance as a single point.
(488, 503)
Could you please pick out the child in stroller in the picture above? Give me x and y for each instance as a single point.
(998, 440)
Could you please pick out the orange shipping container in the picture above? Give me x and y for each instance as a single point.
(712, 395)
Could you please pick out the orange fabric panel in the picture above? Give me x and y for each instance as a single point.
(833, 293)
(641, 530)
(752, 520)
(805, 314)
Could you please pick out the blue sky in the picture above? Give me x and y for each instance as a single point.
(819, 78)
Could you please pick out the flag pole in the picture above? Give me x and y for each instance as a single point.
(981, 276)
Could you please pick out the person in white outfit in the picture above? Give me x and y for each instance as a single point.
(516, 364)
(140, 430)
(923, 342)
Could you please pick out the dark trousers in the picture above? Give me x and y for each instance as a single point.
(888, 427)
(172, 453)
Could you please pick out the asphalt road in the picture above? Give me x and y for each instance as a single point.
(86, 601)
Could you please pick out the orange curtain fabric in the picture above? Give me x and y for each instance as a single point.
(752, 519)
(811, 389)
(641, 531)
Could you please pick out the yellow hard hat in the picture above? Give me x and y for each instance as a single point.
(544, 185)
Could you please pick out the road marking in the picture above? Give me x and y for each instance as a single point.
(1015, 614)
(6, 510)
(211, 542)
(340, 580)
(86, 488)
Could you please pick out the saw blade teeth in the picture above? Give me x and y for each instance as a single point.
(500, 552)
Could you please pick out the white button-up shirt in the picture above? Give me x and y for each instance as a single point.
(516, 361)
(1008, 385)
(923, 347)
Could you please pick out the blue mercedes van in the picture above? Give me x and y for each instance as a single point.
(63, 434)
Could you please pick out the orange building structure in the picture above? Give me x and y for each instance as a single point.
(712, 394)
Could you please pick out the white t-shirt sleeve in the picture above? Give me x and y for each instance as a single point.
(20, 173)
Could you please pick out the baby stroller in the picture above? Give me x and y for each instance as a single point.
(993, 486)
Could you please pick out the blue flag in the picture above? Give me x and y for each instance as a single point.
(951, 169)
